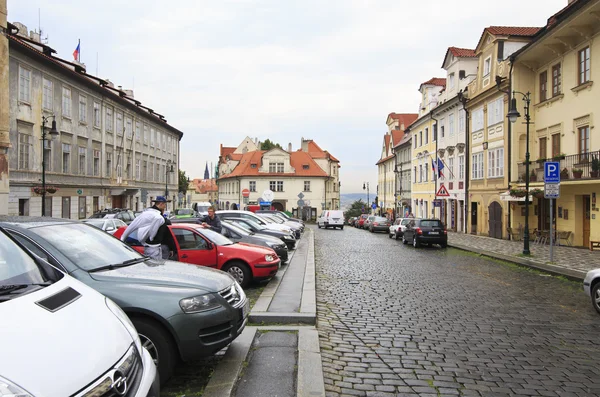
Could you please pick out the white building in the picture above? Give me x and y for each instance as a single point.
(309, 175)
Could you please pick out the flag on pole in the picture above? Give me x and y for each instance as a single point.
(77, 53)
(433, 166)
(440, 167)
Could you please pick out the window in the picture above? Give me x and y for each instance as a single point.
(157, 174)
(48, 95)
(495, 111)
(415, 174)
(276, 186)
(145, 136)
(420, 173)
(426, 136)
(415, 142)
(451, 124)
(461, 166)
(496, 163)
(252, 186)
(152, 132)
(109, 119)
(434, 132)
(584, 141)
(66, 102)
(307, 186)
(96, 154)
(555, 145)
(253, 165)
(145, 171)
(66, 158)
(24, 84)
(119, 123)
(477, 166)
(543, 86)
(420, 138)
(276, 167)
(82, 167)
(119, 166)
(543, 144)
(487, 66)
(279, 186)
(109, 157)
(129, 127)
(584, 65)
(138, 129)
(25, 151)
(169, 144)
(451, 80)
(82, 108)
(96, 115)
(450, 172)
(48, 155)
(157, 141)
(461, 121)
(478, 119)
(442, 129)
(137, 170)
(189, 240)
(556, 79)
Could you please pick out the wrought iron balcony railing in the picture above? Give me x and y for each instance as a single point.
(576, 166)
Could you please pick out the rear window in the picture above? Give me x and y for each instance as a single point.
(431, 223)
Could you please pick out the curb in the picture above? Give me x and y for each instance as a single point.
(575, 275)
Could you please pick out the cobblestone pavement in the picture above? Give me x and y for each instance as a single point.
(574, 258)
(397, 321)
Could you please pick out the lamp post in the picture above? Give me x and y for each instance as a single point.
(366, 187)
(512, 115)
(168, 168)
(53, 133)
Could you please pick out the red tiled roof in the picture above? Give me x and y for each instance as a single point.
(404, 118)
(383, 160)
(315, 151)
(225, 150)
(297, 160)
(512, 30)
(397, 136)
(405, 138)
(435, 81)
(205, 185)
(386, 139)
(462, 52)
(332, 158)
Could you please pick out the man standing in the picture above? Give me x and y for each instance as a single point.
(152, 230)
(211, 221)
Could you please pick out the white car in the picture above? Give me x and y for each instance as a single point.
(398, 228)
(54, 325)
(591, 286)
(108, 225)
(251, 215)
(331, 218)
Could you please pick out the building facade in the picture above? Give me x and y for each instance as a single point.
(203, 190)
(305, 181)
(111, 151)
(4, 116)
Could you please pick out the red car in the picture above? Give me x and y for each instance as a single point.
(361, 221)
(204, 247)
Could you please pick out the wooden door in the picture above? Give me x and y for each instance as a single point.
(66, 207)
(495, 219)
(473, 218)
(586, 221)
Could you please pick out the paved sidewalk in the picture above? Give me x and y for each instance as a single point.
(568, 261)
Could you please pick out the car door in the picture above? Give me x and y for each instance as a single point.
(193, 248)
(409, 232)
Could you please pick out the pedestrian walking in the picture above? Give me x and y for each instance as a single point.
(152, 230)
(211, 221)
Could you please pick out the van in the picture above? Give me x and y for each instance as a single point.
(331, 218)
(201, 208)
(54, 324)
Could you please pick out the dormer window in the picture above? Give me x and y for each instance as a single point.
(305, 166)
(451, 80)
(253, 165)
(487, 66)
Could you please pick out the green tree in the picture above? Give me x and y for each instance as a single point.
(268, 145)
(356, 208)
(183, 182)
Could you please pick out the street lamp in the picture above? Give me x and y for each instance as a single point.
(53, 133)
(168, 168)
(366, 187)
(512, 115)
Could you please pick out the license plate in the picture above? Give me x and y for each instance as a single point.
(246, 309)
(434, 232)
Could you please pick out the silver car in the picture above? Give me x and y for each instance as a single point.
(109, 225)
(591, 286)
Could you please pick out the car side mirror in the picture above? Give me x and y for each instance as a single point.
(209, 245)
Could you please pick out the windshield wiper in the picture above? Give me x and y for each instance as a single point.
(126, 263)
(7, 289)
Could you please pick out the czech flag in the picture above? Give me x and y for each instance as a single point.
(76, 53)
(440, 167)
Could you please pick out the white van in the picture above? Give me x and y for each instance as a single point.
(61, 338)
(331, 218)
(201, 208)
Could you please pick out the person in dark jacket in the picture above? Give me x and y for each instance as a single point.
(163, 237)
(211, 221)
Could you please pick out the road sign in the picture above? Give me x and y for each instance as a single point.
(437, 203)
(300, 203)
(300, 195)
(552, 172)
(245, 193)
(268, 195)
(442, 191)
(246, 200)
(551, 190)
(374, 206)
(264, 203)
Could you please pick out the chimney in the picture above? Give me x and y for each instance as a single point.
(120, 87)
(110, 83)
(305, 145)
(129, 93)
(35, 36)
(402, 126)
(290, 147)
(22, 29)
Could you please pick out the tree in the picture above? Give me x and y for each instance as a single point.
(356, 209)
(183, 182)
(268, 145)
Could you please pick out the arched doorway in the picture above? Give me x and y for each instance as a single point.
(234, 207)
(495, 219)
(277, 206)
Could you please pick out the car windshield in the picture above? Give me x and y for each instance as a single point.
(405, 222)
(237, 229)
(16, 267)
(272, 218)
(183, 211)
(253, 224)
(202, 208)
(95, 222)
(431, 223)
(241, 225)
(214, 237)
(380, 219)
(87, 247)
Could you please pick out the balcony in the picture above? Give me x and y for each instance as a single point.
(573, 167)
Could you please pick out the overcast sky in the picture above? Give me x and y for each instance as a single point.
(327, 70)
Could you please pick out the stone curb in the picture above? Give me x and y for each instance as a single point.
(552, 269)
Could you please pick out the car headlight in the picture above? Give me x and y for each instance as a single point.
(269, 258)
(200, 303)
(120, 314)
(7, 388)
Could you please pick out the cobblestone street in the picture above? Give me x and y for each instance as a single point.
(394, 321)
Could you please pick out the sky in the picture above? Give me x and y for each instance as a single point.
(283, 70)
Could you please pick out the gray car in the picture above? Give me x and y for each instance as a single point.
(591, 286)
(181, 311)
(240, 235)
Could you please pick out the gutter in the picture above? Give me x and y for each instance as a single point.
(437, 138)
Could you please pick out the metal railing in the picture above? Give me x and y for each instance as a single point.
(573, 167)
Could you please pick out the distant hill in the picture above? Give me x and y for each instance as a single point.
(348, 198)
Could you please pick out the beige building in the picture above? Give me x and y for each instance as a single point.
(4, 117)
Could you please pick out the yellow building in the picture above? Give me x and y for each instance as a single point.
(424, 136)
(559, 68)
(490, 137)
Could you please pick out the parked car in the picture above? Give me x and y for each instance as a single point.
(289, 218)
(201, 208)
(183, 213)
(48, 331)
(331, 218)
(238, 234)
(108, 225)
(397, 229)
(181, 311)
(286, 220)
(224, 214)
(379, 224)
(123, 214)
(361, 221)
(425, 231)
(294, 226)
(368, 221)
(249, 224)
(350, 221)
(204, 247)
(591, 286)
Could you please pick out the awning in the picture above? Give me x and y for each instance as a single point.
(507, 197)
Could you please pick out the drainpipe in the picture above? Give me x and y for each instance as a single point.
(463, 100)
(512, 60)
(437, 138)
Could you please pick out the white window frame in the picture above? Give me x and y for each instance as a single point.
(97, 114)
(306, 186)
(487, 66)
(24, 85)
(461, 166)
(451, 80)
(129, 127)
(495, 111)
(66, 149)
(145, 134)
(461, 121)
(96, 164)
(138, 131)
(119, 126)
(252, 186)
(82, 106)
(25, 150)
(442, 128)
(47, 94)
(477, 165)
(478, 119)
(67, 102)
(496, 163)
(82, 155)
(137, 170)
(451, 124)
(152, 133)
(110, 119)
(451, 168)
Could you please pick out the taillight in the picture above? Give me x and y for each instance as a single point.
(375, 224)
(418, 230)
(445, 231)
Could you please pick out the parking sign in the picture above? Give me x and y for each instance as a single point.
(552, 172)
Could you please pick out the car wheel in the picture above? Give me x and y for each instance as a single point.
(318, 225)
(416, 243)
(239, 271)
(443, 245)
(341, 227)
(390, 235)
(397, 236)
(159, 344)
(404, 240)
(596, 296)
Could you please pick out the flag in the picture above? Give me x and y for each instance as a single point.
(440, 167)
(433, 166)
(76, 53)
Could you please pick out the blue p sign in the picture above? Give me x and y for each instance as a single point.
(552, 172)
